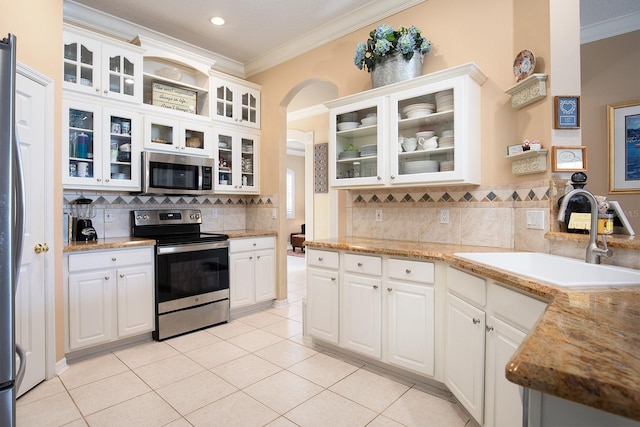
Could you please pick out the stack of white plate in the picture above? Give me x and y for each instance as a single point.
(425, 134)
(446, 165)
(348, 125)
(348, 155)
(348, 117)
(369, 150)
(444, 100)
(445, 141)
(421, 166)
(418, 110)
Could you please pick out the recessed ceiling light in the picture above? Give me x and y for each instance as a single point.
(217, 20)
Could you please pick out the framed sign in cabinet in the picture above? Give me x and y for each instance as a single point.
(423, 131)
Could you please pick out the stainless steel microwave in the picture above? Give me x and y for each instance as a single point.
(176, 174)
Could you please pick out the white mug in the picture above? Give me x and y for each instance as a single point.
(83, 169)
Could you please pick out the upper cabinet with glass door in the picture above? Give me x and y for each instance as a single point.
(430, 128)
(101, 66)
(236, 101)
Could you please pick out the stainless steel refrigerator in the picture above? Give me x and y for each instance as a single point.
(11, 231)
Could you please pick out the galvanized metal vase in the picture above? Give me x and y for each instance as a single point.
(394, 68)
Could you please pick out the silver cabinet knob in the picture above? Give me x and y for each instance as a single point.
(476, 321)
(408, 271)
(488, 328)
(375, 286)
(122, 276)
(114, 259)
(333, 279)
(320, 259)
(106, 277)
(389, 289)
(359, 264)
(393, 177)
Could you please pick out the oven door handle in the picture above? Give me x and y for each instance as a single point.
(191, 247)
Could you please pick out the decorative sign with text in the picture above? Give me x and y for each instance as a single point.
(174, 98)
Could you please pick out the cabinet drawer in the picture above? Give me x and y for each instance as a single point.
(325, 259)
(110, 259)
(250, 244)
(518, 309)
(416, 271)
(468, 286)
(364, 264)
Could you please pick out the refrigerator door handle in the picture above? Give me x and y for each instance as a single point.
(19, 213)
(23, 366)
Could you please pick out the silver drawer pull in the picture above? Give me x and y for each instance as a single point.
(408, 271)
(114, 259)
(476, 321)
(359, 264)
(375, 286)
(320, 259)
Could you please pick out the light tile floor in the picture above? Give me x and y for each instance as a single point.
(255, 370)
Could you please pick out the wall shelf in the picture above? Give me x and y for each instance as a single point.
(528, 162)
(529, 90)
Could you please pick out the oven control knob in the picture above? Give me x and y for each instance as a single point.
(145, 217)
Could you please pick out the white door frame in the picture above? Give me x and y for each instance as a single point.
(306, 138)
(49, 235)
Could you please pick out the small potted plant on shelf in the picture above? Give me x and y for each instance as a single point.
(392, 55)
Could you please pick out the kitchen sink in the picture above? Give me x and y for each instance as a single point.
(557, 270)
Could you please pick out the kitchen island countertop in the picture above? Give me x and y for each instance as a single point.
(586, 346)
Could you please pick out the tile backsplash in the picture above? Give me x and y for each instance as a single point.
(477, 215)
(219, 212)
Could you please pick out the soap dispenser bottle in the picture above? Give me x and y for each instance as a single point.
(577, 204)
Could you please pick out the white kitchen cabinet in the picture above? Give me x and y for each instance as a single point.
(478, 350)
(110, 296)
(409, 296)
(323, 295)
(238, 161)
(464, 366)
(361, 314)
(102, 145)
(251, 271)
(381, 162)
(101, 66)
(178, 135)
(236, 101)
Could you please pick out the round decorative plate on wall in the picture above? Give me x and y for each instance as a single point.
(524, 64)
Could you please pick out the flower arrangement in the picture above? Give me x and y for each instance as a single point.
(385, 41)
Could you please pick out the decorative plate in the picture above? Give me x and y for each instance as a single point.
(524, 64)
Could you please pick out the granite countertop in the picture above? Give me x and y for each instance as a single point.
(132, 242)
(585, 348)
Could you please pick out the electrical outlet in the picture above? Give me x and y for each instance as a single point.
(274, 213)
(214, 213)
(444, 216)
(378, 215)
(108, 215)
(535, 219)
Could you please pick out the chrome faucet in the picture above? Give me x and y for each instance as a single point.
(593, 251)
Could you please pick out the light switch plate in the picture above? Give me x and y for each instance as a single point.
(378, 215)
(535, 219)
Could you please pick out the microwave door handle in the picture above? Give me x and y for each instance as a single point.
(200, 175)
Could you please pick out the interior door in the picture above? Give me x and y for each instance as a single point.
(30, 299)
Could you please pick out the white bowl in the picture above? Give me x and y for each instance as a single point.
(348, 125)
(368, 121)
(425, 134)
(349, 117)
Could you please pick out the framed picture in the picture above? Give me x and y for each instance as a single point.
(174, 97)
(568, 159)
(624, 147)
(566, 112)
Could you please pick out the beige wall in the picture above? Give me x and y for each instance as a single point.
(609, 76)
(296, 163)
(37, 25)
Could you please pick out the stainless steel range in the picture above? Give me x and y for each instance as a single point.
(192, 270)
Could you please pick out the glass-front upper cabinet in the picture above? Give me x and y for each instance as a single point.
(236, 101)
(356, 151)
(423, 124)
(163, 133)
(100, 67)
(237, 162)
(103, 147)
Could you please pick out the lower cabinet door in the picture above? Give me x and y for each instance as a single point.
(135, 300)
(241, 282)
(90, 308)
(361, 316)
(411, 326)
(323, 303)
(464, 349)
(265, 275)
(503, 398)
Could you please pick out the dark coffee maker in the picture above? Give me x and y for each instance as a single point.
(83, 210)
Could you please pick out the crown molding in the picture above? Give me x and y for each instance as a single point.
(610, 28)
(112, 26)
(346, 24)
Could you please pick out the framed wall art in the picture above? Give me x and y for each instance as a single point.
(566, 112)
(568, 159)
(624, 147)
